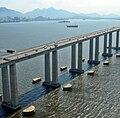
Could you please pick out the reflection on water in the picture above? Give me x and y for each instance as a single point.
(95, 96)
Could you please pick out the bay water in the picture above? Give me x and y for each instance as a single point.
(87, 94)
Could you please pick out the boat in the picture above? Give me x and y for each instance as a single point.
(64, 21)
(10, 51)
(72, 25)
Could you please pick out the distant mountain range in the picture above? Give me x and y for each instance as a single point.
(9, 12)
(51, 13)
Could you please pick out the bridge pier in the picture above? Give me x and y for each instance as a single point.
(55, 69)
(90, 51)
(13, 85)
(5, 85)
(97, 51)
(117, 40)
(80, 56)
(105, 46)
(73, 59)
(47, 69)
(96, 61)
(110, 45)
(10, 93)
(73, 56)
(109, 54)
(54, 83)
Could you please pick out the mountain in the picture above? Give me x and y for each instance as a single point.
(9, 12)
(47, 14)
(50, 12)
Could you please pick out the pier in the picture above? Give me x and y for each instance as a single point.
(8, 62)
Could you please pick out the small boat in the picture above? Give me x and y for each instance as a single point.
(72, 25)
(10, 51)
(64, 21)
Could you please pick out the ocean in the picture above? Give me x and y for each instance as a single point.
(91, 97)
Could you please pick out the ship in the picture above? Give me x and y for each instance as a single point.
(72, 26)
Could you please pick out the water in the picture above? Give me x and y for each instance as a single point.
(86, 96)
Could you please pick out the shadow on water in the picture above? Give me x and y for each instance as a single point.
(36, 93)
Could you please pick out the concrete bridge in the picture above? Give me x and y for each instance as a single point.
(8, 62)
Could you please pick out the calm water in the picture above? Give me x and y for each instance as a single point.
(90, 96)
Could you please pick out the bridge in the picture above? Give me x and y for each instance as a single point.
(8, 62)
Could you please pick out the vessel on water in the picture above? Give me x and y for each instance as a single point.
(72, 26)
(64, 21)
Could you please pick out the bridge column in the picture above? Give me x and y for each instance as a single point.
(73, 58)
(110, 45)
(73, 61)
(14, 89)
(90, 61)
(47, 69)
(55, 69)
(97, 51)
(5, 86)
(80, 58)
(105, 46)
(117, 41)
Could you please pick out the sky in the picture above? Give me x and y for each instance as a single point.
(78, 6)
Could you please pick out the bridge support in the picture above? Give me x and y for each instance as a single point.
(110, 45)
(47, 69)
(73, 61)
(5, 85)
(90, 51)
(73, 56)
(10, 102)
(55, 69)
(117, 40)
(97, 51)
(96, 61)
(13, 85)
(54, 83)
(109, 54)
(105, 46)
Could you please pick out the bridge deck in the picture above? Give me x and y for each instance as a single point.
(42, 49)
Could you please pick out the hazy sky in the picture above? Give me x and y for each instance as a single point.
(79, 6)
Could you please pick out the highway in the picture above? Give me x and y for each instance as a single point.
(45, 48)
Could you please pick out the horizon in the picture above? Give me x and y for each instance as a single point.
(102, 7)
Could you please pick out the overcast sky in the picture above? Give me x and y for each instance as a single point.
(79, 6)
